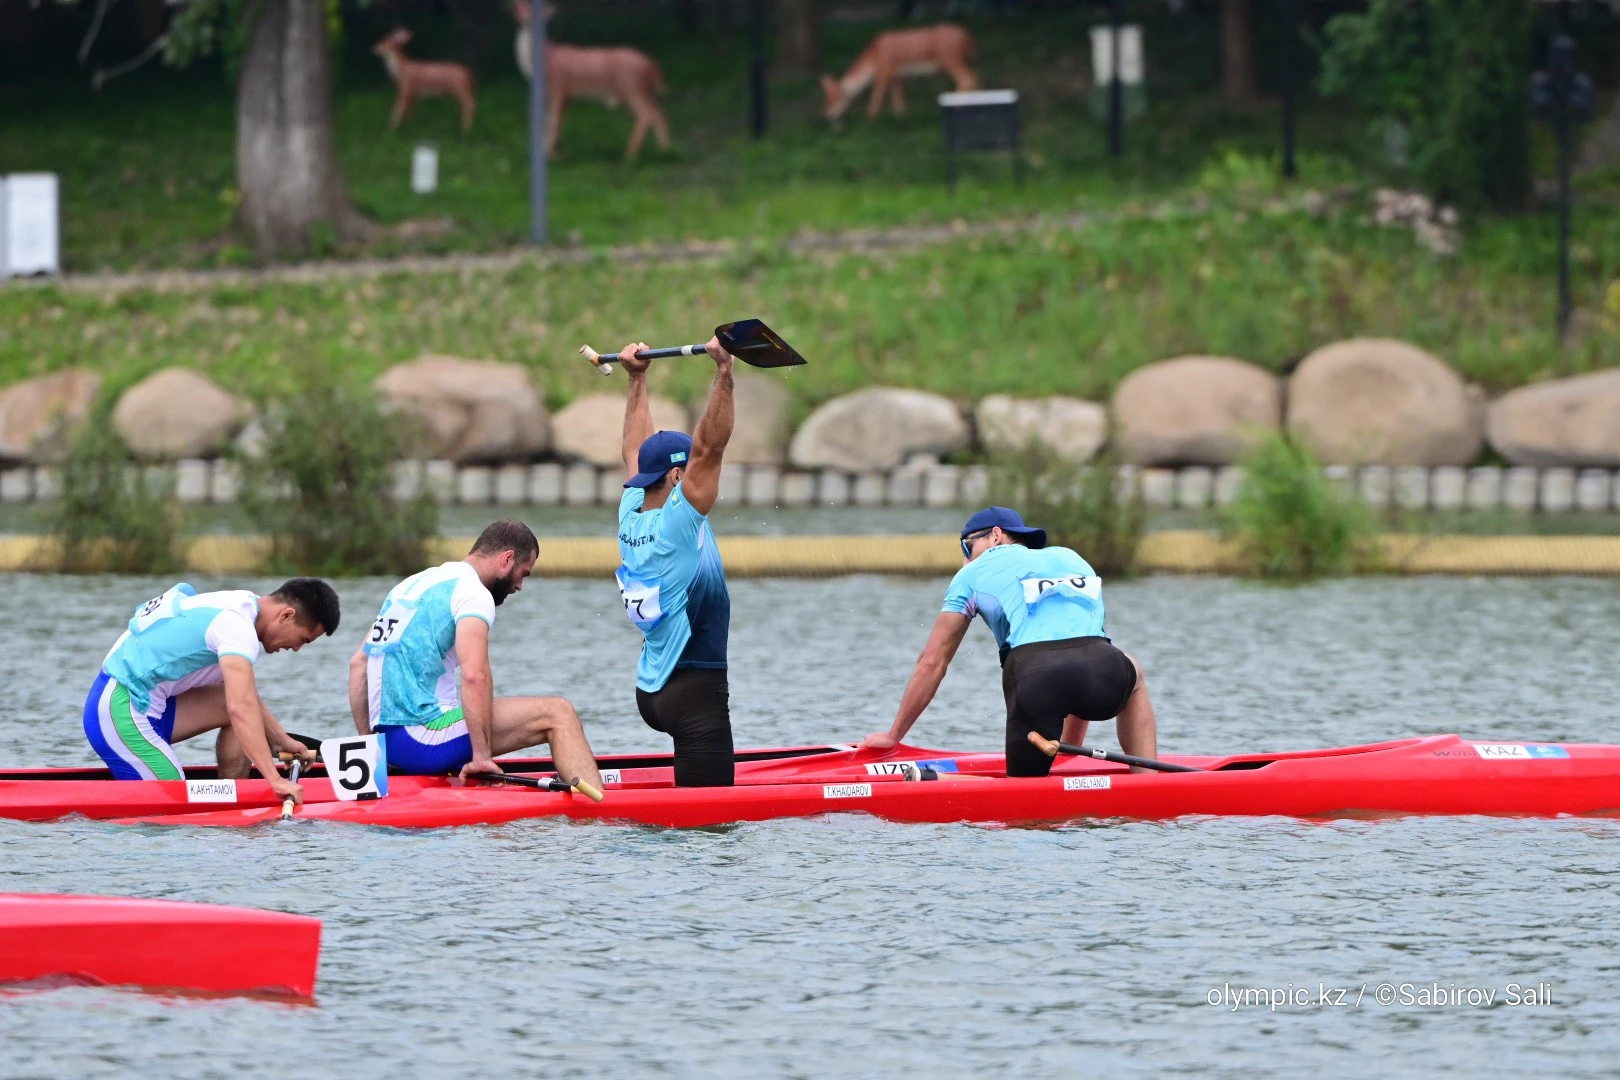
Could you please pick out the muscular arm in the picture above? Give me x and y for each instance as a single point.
(477, 691)
(359, 696)
(638, 423)
(943, 641)
(702, 478)
(249, 718)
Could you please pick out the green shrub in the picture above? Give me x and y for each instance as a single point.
(1083, 507)
(322, 489)
(112, 513)
(1295, 523)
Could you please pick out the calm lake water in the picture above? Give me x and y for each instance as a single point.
(846, 946)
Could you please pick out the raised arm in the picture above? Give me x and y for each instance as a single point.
(247, 717)
(701, 481)
(943, 641)
(477, 694)
(638, 423)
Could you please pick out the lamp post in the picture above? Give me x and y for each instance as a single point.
(1290, 31)
(538, 226)
(756, 72)
(1561, 95)
(1116, 88)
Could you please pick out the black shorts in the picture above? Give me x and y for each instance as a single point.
(1045, 681)
(694, 707)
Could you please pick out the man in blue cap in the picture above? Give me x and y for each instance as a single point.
(671, 580)
(1059, 671)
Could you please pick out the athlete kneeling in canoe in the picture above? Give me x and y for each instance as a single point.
(671, 579)
(185, 666)
(402, 680)
(1059, 671)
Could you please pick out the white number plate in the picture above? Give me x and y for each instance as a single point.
(357, 765)
(612, 776)
(211, 791)
(1087, 783)
(846, 791)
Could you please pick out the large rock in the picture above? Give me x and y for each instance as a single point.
(1195, 410)
(470, 410)
(591, 428)
(878, 429)
(178, 413)
(1372, 400)
(37, 416)
(760, 434)
(1569, 422)
(1070, 428)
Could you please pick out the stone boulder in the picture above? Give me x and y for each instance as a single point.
(178, 413)
(1069, 428)
(1573, 422)
(37, 416)
(591, 427)
(1195, 410)
(1373, 400)
(760, 434)
(470, 410)
(877, 430)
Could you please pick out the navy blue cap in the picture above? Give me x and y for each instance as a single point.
(1008, 521)
(663, 451)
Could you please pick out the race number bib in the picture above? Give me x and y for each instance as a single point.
(1079, 588)
(388, 628)
(357, 765)
(640, 601)
(159, 608)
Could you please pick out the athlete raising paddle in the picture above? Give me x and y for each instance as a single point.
(671, 580)
(1059, 671)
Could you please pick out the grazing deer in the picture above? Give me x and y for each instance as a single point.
(419, 79)
(608, 75)
(899, 54)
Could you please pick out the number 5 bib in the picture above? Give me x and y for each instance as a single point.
(640, 601)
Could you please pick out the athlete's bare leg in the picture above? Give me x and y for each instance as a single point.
(1074, 730)
(1138, 730)
(203, 709)
(529, 721)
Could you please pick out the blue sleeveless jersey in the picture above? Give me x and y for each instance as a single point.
(1026, 595)
(673, 587)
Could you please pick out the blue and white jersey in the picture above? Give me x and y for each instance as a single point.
(673, 587)
(1026, 595)
(411, 662)
(175, 640)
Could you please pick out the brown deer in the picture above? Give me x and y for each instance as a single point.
(900, 54)
(419, 79)
(608, 75)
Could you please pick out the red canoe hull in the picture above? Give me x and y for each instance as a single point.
(157, 944)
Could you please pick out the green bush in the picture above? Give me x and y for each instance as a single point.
(1295, 523)
(113, 514)
(322, 489)
(1083, 507)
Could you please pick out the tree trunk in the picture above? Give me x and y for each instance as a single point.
(798, 39)
(1239, 88)
(286, 158)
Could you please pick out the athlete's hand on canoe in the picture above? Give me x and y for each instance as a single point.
(286, 789)
(632, 364)
(479, 765)
(879, 740)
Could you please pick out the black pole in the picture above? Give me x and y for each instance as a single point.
(1290, 30)
(1563, 79)
(756, 72)
(1116, 89)
(539, 228)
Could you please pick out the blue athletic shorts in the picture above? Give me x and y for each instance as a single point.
(134, 745)
(432, 749)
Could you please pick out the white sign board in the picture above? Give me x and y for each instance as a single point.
(1130, 55)
(425, 168)
(28, 224)
(358, 766)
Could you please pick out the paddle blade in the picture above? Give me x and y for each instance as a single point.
(757, 345)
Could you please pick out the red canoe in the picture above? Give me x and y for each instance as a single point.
(157, 944)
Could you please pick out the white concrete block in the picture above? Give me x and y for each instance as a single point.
(974, 487)
(761, 487)
(1591, 490)
(1228, 480)
(191, 480)
(47, 483)
(1374, 485)
(546, 484)
(1159, 488)
(870, 489)
(225, 483)
(1519, 489)
(1557, 495)
(832, 488)
(407, 480)
(609, 486)
(733, 484)
(1448, 487)
(1615, 501)
(512, 485)
(579, 485)
(905, 487)
(1411, 484)
(940, 484)
(439, 478)
(475, 485)
(1342, 477)
(1193, 487)
(797, 489)
(1128, 482)
(1484, 488)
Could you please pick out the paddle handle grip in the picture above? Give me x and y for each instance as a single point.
(1053, 749)
(590, 792)
(604, 364)
(287, 804)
